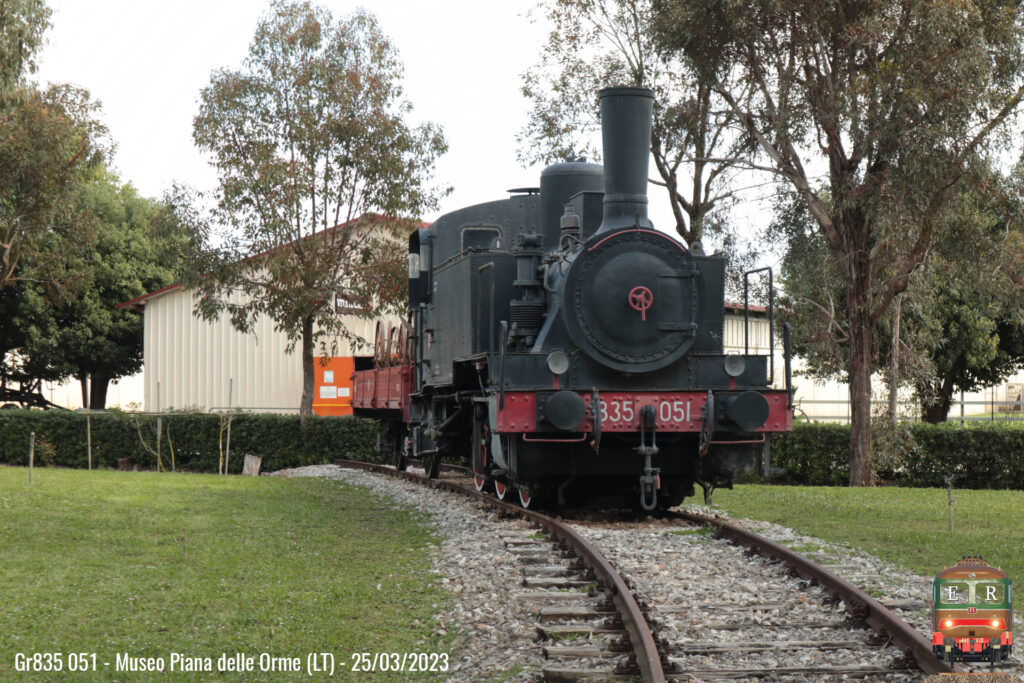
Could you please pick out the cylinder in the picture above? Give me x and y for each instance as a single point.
(626, 137)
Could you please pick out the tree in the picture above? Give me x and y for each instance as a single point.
(48, 140)
(969, 317)
(86, 336)
(600, 43)
(98, 342)
(308, 136)
(960, 326)
(892, 100)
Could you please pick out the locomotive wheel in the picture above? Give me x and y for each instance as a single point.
(500, 489)
(525, 499)
(400, 454)
(432, 465)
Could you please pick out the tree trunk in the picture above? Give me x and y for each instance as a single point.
(83, 379)
(306, 406)
(862, 329)
(894, 359)
(938, 411)
(98, 400)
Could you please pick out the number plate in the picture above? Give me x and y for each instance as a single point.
(672, 412)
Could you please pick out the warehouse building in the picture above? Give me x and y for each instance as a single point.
(194, 364)
(200, 365)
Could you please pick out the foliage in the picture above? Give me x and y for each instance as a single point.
(895, 99)
(970, 315)
(813, 454)
(151, 564)
(307, 137)
(22, 24)
(49, 140)
(907, 527)
(279, 439)
(600, 43)
(812, 300)
(87, 337)
(961, 324)
(912, 454)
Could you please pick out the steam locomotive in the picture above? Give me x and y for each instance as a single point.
(567, 350)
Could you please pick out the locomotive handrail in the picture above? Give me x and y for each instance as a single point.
(418, 353)
(771, 318)
(501, 373)
(479, 302)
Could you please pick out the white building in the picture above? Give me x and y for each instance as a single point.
(193, 364)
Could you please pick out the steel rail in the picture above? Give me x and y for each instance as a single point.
(644, 647)
(858, 603)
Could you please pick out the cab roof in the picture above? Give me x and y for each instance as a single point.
(969, 565)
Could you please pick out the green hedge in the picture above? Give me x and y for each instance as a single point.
(279, 439)
(912, 454)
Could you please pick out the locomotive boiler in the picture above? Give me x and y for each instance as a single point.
(567, 350)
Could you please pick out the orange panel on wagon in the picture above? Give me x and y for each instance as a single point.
(332, 385)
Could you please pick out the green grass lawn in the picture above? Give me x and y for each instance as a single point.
(909, 527)
(150, 564)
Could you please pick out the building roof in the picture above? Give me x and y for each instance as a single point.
(732, 306)
(139, 302)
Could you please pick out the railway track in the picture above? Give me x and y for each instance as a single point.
(724, 612)
(563, 567)
(601, 630)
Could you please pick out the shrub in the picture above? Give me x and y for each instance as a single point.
(279, 439)
(917, 455)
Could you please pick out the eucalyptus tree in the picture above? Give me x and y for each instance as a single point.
(599, 43)
(891, 100)
(959, 325)
(309, 135)
(49, 139)
(22, 25)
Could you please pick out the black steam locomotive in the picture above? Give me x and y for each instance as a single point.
(567, 350)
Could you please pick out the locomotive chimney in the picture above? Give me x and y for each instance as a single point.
(626, 136)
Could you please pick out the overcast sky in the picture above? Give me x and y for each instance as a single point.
(146, 60)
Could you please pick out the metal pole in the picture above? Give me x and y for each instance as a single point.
(31, 455)
(949, 495)
(88, 437)
(227, 448)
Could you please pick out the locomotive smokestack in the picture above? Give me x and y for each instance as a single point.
(626, 136)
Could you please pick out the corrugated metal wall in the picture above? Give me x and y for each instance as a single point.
(734, 333)
(194, 364)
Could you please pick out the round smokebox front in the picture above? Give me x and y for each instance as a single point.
(631, 301)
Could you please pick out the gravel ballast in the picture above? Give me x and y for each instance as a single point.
(494, 629)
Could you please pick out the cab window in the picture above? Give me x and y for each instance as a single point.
(989, 593)
(954, 593)
(483, 237)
